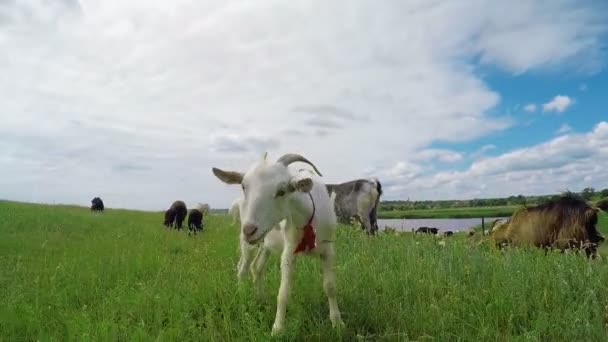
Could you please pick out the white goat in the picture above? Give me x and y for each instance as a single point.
(271, 194)
(272, 242)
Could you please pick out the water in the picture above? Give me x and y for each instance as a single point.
(453, 224)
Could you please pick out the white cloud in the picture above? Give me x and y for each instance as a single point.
(564, 128)
(558, 104)
(530, 108)
(240, 142)
(566, 162)
(136, 101)
(446, 156)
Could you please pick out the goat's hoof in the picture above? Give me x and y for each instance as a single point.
(338, 323)
(276, 329)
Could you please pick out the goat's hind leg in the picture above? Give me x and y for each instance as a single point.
(366, 224)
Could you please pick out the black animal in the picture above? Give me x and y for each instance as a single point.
(175, 215)
(195, 221)
(97, 204)
(448, 233)
(427, 230)
(169, 217)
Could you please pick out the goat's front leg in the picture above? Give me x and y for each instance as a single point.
(287, 263)
(244, 261)
(329, 284)
(257, 268)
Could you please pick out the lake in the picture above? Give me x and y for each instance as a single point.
(453, 224)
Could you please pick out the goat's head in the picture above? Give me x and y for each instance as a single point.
(266, 188)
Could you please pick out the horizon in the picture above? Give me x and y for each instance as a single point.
(597, 191)
(135, 102)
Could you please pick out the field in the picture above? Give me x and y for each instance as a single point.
(472, 212)
(68, 274)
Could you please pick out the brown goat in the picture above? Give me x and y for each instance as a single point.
(602, 204)
(563, 223)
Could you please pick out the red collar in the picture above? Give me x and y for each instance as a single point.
(308, 239)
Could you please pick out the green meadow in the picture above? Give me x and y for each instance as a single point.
(67, 274)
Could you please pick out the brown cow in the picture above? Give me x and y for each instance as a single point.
(562, 223)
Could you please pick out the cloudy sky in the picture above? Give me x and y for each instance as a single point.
(135, 100)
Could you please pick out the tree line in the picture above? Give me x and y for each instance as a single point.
(587, 193)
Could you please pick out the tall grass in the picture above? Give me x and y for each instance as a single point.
(68, 274)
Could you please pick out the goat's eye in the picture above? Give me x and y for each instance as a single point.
(243, 187)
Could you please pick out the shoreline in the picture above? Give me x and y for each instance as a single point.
(449, 213)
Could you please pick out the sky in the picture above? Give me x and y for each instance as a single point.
(135, 101)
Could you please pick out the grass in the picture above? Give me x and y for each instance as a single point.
(67, 274)
(473, 212)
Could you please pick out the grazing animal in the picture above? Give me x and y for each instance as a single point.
(234, 209)
(97, 204)
(360, 198)
(391, 230)
(203, 208)
(427, 230)
(567, 222)
(497, 224)
(169, 217)
(175, 215)
(272, 193)
(195, 221)
(602, 204)
(448, 233)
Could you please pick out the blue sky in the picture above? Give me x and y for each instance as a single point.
(588, 108)
(135, 101)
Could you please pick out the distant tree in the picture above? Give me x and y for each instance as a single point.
(501, 201)
(588, 193)
(604, 193)
(542, 200)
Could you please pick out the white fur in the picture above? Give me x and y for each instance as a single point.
(290, 212)
(272, 242)
(234, 209)
(203, 208)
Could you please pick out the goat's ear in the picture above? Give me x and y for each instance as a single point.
(302, 184)
(228, 177)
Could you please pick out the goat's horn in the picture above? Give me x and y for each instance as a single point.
(289, 158)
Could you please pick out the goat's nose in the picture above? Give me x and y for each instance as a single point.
(249, 229)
